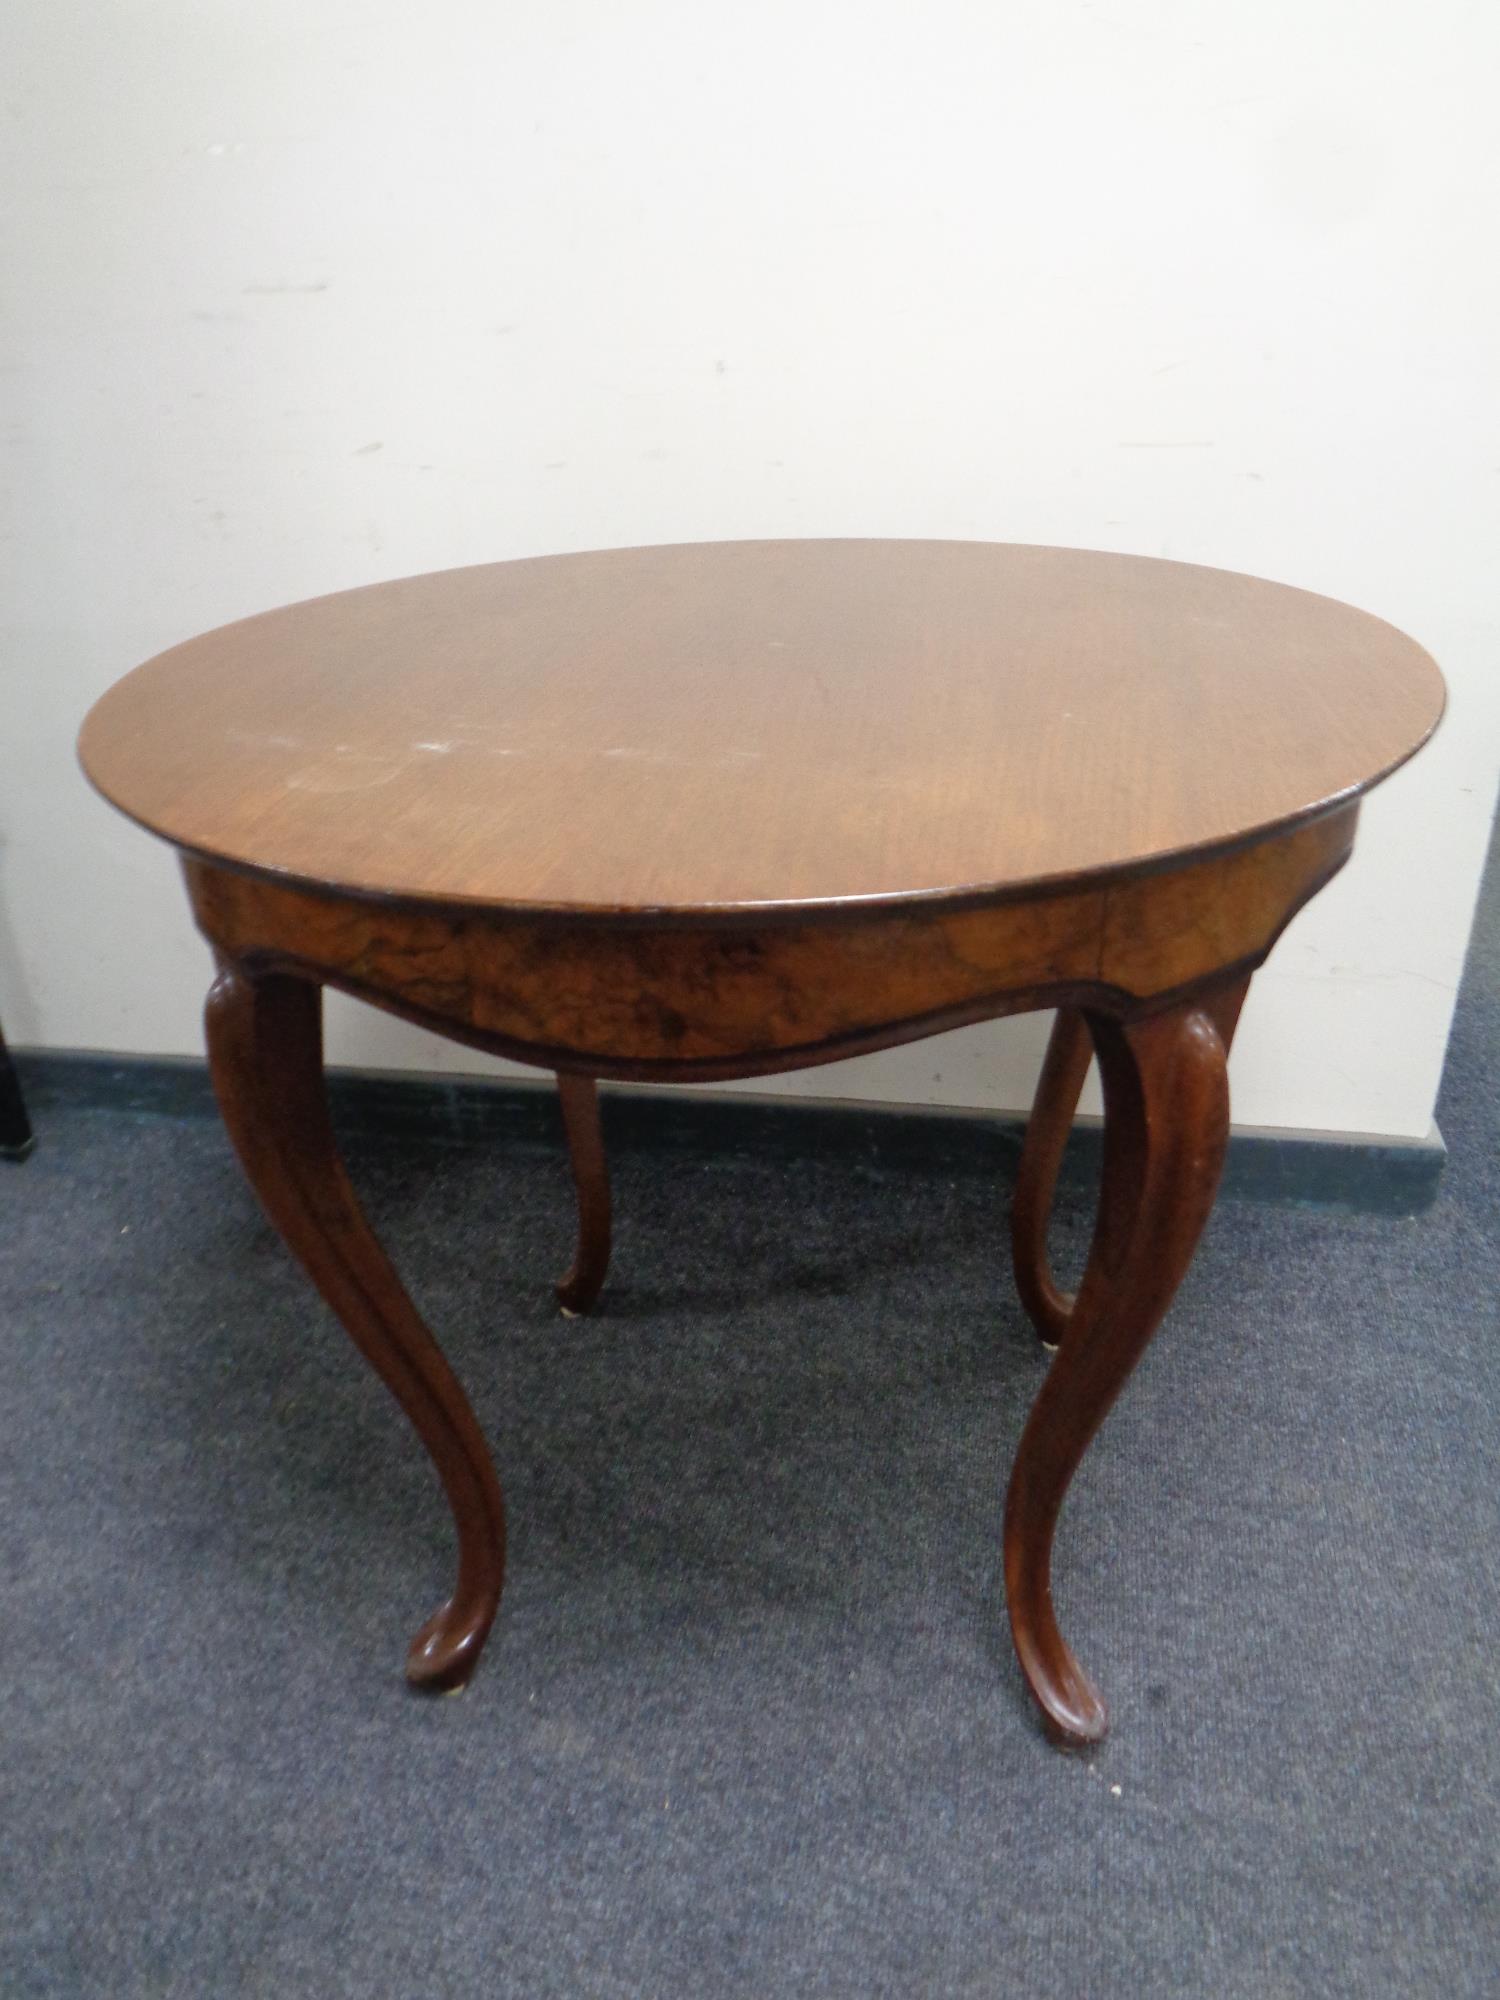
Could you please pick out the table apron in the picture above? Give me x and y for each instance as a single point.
(673, 1000)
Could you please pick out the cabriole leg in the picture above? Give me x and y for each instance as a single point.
(1166, 1110)
(578, 1290)
(266, 1054)
(1057, 1092)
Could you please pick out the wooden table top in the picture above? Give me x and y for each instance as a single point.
(759, 725)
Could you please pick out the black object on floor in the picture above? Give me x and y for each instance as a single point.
(749, 1723)
(16, 1138)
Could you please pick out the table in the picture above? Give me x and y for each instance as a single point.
(722, 810)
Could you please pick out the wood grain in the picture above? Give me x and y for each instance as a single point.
(720, 811)
(682, 1001)
(739, 727)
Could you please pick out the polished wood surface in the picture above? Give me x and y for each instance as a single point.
(684, 814)
(684, 1003)
(1066, 1064)
(265, 1055)
(1166, 1095)
(1064, 1067)
(579, 1287)
(742, 726)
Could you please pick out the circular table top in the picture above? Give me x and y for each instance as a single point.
(749, 725)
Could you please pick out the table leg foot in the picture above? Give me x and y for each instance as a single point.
(1063, 1071)
(445, 1652)
(579, 1289)
(265, 1053)
(1166, 1099)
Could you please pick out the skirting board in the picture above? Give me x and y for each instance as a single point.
(1354, 1172)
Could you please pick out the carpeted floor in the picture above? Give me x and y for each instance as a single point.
(749, 1723)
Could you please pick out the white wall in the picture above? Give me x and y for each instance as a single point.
(301, 296)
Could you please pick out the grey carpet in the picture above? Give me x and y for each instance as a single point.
(749, 1723)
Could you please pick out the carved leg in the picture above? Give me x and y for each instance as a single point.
(579, 1289)
(1166, 1103)
(1057, 1092)
(266, 1054)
